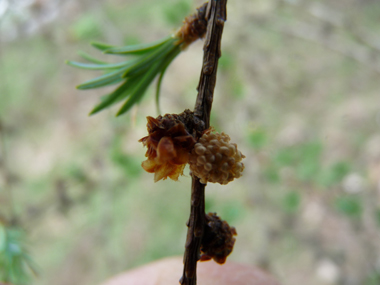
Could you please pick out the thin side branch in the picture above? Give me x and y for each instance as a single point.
(216, 16)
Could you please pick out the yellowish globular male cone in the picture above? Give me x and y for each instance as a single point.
(215, 159)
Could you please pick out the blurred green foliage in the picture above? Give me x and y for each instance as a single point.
(130, 165)
(291, 202)
(377, 216)
(226, 62)
(16, 265)
(305, 158)
(270, 174)
(231, 212)
(175, 13)
(87, 27)
(257, 138)
(373, 279)
(349, 205)
(235, 86)
(334, 174)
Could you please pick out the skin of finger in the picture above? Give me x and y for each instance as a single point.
(169, 270)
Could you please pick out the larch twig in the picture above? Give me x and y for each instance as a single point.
(216, 15)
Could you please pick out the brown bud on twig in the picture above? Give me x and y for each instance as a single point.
(218, 239)
(194, 27)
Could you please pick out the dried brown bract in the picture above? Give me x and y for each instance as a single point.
(194, 27)
(218, 239)
(169, 143)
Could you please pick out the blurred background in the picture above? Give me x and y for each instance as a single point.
(298, 91)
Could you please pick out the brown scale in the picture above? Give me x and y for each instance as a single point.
(169, 143)
(218, 239)
(194, 27)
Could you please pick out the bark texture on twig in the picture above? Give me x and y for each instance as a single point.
(216, 16)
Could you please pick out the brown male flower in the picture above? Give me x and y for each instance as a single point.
(215, 159)
(169, 144)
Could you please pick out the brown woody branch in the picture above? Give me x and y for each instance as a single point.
(216, 15)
